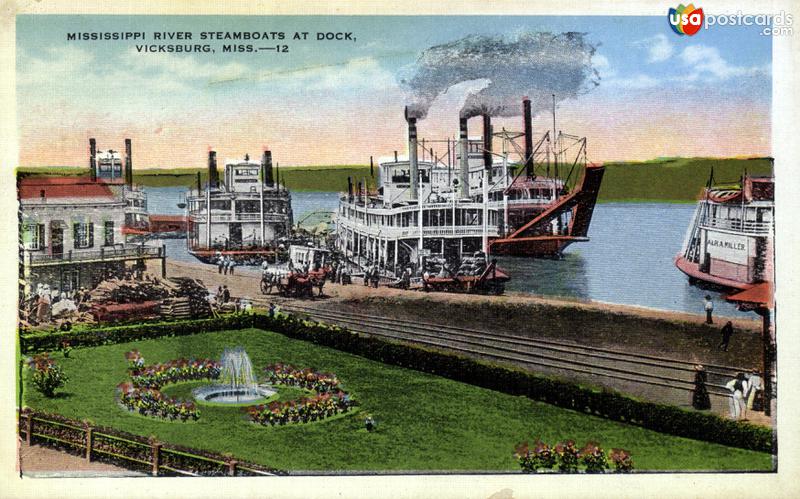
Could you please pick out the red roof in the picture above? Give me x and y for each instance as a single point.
(62, 187)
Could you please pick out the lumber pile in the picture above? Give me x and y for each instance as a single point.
(128, 291)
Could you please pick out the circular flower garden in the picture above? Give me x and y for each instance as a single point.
(143, 394)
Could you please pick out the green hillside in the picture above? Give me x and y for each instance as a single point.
(673, 179)
(665, 179)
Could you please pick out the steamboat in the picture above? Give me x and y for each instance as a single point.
(454, 200)
(110, 168)
(246, 216)
(730, 242)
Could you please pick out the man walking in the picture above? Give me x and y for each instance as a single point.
(709, 306)
(727, 331)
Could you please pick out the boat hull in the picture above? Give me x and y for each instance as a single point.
(697, 276)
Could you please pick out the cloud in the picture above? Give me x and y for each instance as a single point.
(707, 64)
(357, 73)
(637, 81)
(659, 48)
(182, 67)
(59, 63)
(603, 67)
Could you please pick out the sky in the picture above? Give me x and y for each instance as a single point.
(339, 102)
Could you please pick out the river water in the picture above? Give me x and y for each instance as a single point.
(628, 260)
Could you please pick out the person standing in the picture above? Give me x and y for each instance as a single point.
(727, 332)
(231, 265)
(220, 262)
(754, 382)
(226, 294)
(700, 399)
(709, 307)
(738, 387)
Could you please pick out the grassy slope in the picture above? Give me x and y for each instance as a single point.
(425, 422)
(677, 179)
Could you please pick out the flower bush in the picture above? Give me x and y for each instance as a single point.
(330, 399)
(593, 457)
(621, 459)
(568, 458)
(142, 394)
(541, 456)
(135, 360)
(47, 375)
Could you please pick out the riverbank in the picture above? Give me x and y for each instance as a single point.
(676, 335)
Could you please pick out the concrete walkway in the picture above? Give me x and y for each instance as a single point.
(44, 462)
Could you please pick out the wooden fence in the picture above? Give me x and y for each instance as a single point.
(128, 450)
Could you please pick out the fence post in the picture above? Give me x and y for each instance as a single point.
(156, 457)
(28, 428)
(232, 467)
(89, 442)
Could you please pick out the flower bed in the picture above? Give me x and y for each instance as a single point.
(567, 458)
(142, 394)
(308, 379)
(329, 401)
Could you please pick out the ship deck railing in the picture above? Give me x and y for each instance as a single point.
(200, 217)
(412, 232)
(118, 253)
(750, 227)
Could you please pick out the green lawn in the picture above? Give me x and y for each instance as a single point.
(424, 422)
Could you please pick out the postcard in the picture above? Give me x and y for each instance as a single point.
(409, 251)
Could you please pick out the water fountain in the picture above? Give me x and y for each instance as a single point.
(237, 383)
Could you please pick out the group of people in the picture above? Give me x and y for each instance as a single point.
(372, 276)
(225, 263)
(43, 303)
(745, 389)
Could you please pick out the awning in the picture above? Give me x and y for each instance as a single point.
(760, 295)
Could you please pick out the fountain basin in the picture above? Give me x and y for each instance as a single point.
(231, 394)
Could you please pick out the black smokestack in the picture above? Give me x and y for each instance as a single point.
(349, 190)
(526, 116)
(359, 191)
(463, 138)
(93, 159)
(213, 175)
(266, 165)
(371, 167)
(128, 163)
(487, 144)
(412, 157)
(199, 184)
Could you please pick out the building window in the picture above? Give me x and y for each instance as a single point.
(108, 234)
(83, 235)
(33, 236)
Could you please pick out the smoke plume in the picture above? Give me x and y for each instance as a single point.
(536, 64)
